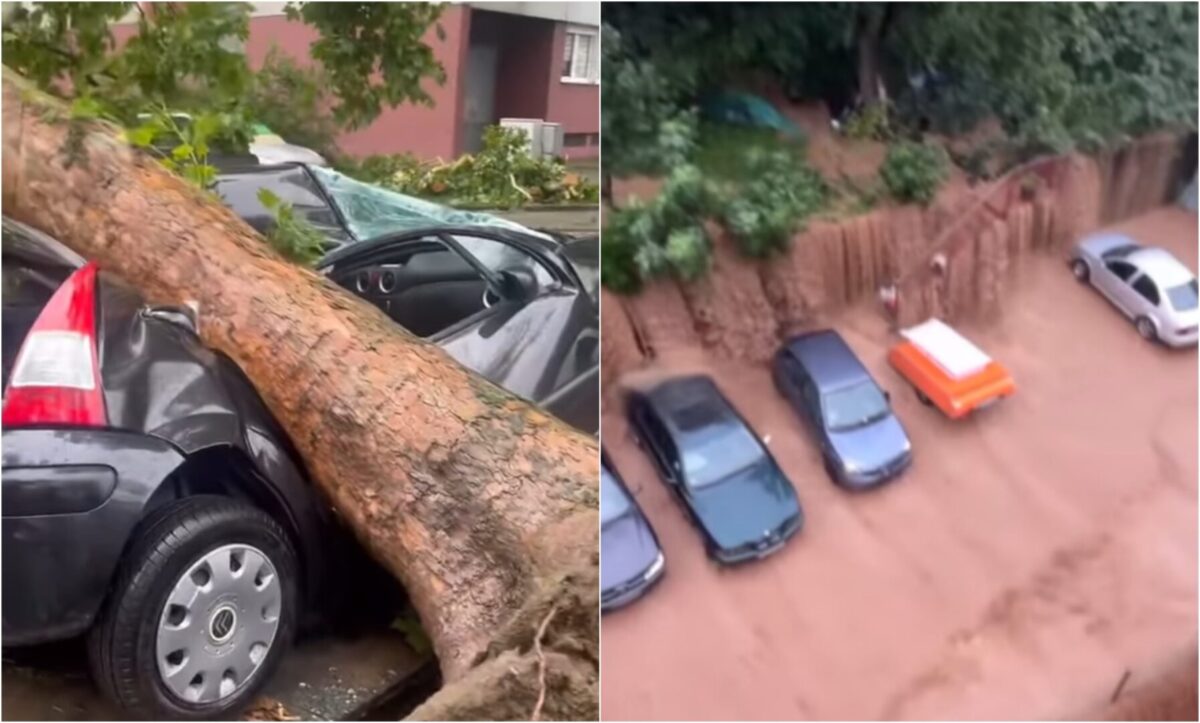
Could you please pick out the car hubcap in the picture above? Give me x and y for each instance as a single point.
(218, 624)
(1080, 270)
(1145, 329)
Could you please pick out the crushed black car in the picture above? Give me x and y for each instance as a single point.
(516, 305)
(150, 499)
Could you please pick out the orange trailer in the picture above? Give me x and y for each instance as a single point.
(948, 371)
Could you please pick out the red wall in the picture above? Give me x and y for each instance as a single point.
(528, 82)
(424, 130)
(575, 105)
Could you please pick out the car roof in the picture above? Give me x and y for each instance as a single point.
(690, 404)
(1163, 268)
(24, 241)
(1110, 244)
(828, 359)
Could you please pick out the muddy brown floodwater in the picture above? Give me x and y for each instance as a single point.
(1031, 556)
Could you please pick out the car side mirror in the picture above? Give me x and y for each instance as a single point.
(520, 284)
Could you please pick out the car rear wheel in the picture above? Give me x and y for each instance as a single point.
(1145, 327)
(203, 607)
(1079, 269)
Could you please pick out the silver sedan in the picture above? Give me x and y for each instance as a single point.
(1147, 284)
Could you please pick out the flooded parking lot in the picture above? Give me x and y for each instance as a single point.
(1032, 557)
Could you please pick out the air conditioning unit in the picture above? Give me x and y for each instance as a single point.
(531, 127)
(552, 139)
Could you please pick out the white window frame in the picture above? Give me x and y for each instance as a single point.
(574, 75)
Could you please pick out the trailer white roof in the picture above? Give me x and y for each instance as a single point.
(947, 348)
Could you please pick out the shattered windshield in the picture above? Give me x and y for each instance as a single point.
(373, 211)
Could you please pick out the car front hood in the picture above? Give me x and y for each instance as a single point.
(627, 549)
(747, 508)
(872, 446)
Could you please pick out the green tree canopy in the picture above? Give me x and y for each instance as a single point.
(188, 56)
(1055, 74)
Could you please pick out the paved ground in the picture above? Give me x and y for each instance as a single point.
(1029, 559)
(576, 220)
(330, 677)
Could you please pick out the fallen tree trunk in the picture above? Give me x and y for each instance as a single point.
(484, 507)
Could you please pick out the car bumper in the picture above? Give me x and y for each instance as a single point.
(1178, 339)
(760, 549)
(869, 479)
(71, 498)
(633, 590)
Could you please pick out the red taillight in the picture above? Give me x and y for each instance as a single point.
(56, 378)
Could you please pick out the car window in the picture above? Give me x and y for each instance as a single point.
(614, 503)
(374, 211)
(854, 406)
(718, 452)
(293, 186)
(498, 256)
(1146, 288)
(808, 394)
(1121, 269)
(659, 437)
(1184, 296)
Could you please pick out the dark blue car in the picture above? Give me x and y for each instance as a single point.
(631, 560)
(861, 440)
(728, 483)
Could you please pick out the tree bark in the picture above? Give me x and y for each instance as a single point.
(482, 506)
(872, 24)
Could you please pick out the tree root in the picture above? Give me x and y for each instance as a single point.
(546, 659)
(537, 646)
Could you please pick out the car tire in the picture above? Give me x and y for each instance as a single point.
(1079, 269)
(1146, 329)
(832, 471)
(175, 543)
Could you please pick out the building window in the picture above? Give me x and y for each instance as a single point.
(581, 56)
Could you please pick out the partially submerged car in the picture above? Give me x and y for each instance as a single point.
(726, 480)
(631, 560)
(1146, 284)
(862, 443)
(150, 498)
(948, 371)
(517, 306)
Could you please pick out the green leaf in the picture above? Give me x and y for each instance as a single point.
(268, 199)
(181, 151)
(86, 107)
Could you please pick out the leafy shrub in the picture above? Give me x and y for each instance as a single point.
(646, 127)
(292, 101)
(688, 252)
(618, 251)
(769, 209)
(502, 174)
(914, 171)
(644, 241)
(723, 150)
(291, 235)
(869, 123)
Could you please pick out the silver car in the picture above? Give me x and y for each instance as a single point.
(1148, 285)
